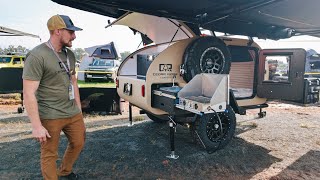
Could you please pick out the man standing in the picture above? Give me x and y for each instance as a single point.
(51, 98)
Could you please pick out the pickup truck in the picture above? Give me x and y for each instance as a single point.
(102, 69)
(102, 63)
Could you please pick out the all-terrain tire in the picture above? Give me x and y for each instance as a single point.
(206, 55)
(206, 130)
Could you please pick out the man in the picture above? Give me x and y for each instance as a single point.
(51, 98)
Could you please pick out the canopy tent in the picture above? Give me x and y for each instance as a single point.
(11, 32)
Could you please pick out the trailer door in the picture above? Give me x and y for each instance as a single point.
(281, 74)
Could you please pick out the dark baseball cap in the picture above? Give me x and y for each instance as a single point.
(61, 22)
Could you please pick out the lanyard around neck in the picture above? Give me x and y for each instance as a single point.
(68, 62)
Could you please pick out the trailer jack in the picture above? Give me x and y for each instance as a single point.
(262, 114)
(172, 125)
(130, 115)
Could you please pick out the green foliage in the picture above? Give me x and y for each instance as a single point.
(125, 54)
(79, 53)
(13, 49)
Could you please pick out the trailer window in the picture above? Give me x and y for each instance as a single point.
(143, 63)
(277, 68)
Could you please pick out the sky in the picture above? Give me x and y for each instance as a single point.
(32, 16)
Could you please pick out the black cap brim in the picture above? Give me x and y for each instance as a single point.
(74, 28)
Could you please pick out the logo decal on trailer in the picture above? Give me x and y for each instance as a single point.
(165, 67)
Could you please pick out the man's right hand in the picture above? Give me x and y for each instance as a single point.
(40, 134)
(30, 101)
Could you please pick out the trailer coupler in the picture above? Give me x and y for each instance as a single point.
(261, 113)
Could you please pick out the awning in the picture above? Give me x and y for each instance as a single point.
(273, 19)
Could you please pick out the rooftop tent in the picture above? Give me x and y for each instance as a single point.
(107, 51)
(311, 52)
(271, 19)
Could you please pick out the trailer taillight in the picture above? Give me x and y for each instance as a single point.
(117, 83)
(143, 90)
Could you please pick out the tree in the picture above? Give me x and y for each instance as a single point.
(13, 49)
(79, 53)
(125, 54)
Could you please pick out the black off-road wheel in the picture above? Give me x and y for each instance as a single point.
(210, 133)
(156, 119)
(206, 55)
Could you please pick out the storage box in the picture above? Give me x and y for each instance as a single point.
(165, 98)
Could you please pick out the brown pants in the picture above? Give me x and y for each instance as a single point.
(74, 129)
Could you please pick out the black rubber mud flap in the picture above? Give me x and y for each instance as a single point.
(155, 118)
(206, 55)
(208, 133)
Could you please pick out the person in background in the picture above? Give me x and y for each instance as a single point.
(52, 100)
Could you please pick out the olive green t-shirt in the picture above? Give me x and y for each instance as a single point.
(42, 65)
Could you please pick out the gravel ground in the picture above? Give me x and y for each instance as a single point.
(283, 145)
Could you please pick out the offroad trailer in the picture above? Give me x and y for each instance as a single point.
(162, 78)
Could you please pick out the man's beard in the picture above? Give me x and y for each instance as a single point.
(68, 44)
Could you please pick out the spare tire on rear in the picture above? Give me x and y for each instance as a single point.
(206, 55)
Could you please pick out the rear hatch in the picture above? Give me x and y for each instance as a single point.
(158, 29)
